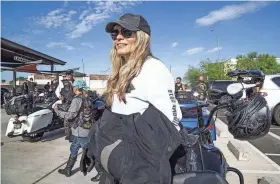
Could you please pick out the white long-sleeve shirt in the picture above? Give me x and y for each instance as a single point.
(155, 85)
(58, 88)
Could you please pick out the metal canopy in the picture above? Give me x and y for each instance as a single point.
(63, 72)
(14, 57)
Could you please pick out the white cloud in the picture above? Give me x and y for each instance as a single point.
(59, 44)
(194, 50)
(175, 44)
(87, 44)
(87, 24)
(215, 49)
(230, 12)
(56, 18)
(72, 12)
(101, 12)
(83, 14)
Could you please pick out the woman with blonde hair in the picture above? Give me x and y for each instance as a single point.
(136, 138)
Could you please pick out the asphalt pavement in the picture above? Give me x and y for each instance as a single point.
(269, 144)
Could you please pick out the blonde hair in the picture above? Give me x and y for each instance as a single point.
(124, 71)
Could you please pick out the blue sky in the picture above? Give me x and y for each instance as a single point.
(181, 31)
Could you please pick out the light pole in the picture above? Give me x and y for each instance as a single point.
(218, 45)
(83, 69)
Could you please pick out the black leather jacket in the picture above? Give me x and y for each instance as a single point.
(67, 95)
(136, 148)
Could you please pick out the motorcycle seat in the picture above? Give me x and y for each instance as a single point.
(199, 177)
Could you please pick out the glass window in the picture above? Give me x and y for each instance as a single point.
(276, 80)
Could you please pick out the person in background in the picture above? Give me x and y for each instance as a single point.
(252, 91)
(186, 86)
(29, 89)
(24, 88)
(240, 79)
(54, 84)
(69, 77)
(64, 92)
(201, 88)
(247, 92)
(80, 116)
(179, 86)
(258, 86)
(201, 78)
(31, 85)
(47, 86)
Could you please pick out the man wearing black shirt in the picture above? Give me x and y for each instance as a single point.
(47, 87)
(31, 85)
(179, 86)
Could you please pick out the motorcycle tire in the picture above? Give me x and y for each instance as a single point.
(33, 138)
(276, 115)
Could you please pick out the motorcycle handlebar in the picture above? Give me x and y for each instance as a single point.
(220, 106)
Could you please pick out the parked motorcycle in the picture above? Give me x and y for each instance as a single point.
(191, 111)
(49, 97)
(32, 122)
(203, 157)
(204, 160)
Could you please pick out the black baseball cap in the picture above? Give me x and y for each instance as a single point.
(131, 22)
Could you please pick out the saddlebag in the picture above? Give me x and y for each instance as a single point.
(19, 105)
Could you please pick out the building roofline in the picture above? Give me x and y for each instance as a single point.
(23, 50)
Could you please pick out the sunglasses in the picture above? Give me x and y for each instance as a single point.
(124, 32)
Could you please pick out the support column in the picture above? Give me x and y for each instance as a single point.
(52, 67)
(14, 81)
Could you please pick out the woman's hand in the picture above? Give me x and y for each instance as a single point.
(57, 102)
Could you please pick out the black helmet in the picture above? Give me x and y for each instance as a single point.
(250, 120)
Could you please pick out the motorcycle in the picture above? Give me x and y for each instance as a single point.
(203, 161)
(190, 112)
(49, 97)
(30, 122)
